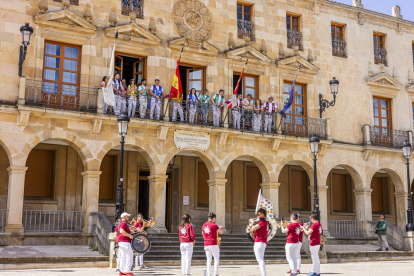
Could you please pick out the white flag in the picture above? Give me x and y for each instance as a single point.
(108, 91)
(262, 202)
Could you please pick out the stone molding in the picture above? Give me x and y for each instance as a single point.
(91, 174)
(162, 132)
(202, 48)
(291, 64)
(322, 188)
(400, 194)
(132, 33)
(274, 144)
(158, 178)
(217, 182)
(65, 20)
(361, 191)
(270, 185)
(383, 84)
(23, 118)
(16, 170)
(96, 126)
(242, 53)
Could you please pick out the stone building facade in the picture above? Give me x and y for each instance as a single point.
(361, 171)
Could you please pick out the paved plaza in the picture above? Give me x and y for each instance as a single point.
(391, 268)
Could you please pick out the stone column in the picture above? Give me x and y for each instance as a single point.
(278, 123)
(401, 205)
(217, 197)
(15, 199)
(99, 102)
(271, 192)
(157, 200)
(323, 208)
(90, 198)
(22, 90)
(367, 134)
(364, 209)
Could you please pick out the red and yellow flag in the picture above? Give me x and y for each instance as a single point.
(176, 92)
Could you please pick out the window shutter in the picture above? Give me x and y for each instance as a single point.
(376, 196)
(39, 175)
(339, 192)
(202, 191)
(299, 190)
(107, 179)
(253, 181)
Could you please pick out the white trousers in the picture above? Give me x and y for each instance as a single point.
(139, 260)
(126, 257)
(104, 106)
(298, 257)
(216, 115)
(192, 113)
(259, 250)
(155, 106)
(257, 121)
(268, 122)
(122, 105)
(132, 106)
(236, 119)
(316, 264)
(177, 108)
(117, 107)
(186, 255)
(142, 107)
(291, 256)
(212, 251)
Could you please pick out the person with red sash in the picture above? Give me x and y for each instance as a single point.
(210, 230)
(140, 227)
(236, 111)
(314, 234)
(124, 246)
(187, 239)
(269, 110)
(292, 242)
(298, 257)
(260, 239)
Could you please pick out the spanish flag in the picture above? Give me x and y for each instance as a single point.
(176, 92)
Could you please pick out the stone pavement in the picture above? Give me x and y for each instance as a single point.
(47, 251)
(401, 268)
(353, 248)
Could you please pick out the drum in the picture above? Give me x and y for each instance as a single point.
(140, 243)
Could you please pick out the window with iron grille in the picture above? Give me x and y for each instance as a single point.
(72, 2)
(380, 53)
(294, 35)
(245, 26)
(338, 40)
(136, 6)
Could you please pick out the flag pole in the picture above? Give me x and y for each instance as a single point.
(169, 96)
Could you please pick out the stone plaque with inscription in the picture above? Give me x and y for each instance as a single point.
(184, 139)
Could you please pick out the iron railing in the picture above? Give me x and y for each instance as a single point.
(136, 6)
(72, 2)
(294, 38)
(380, 56)
(339, 48)
(245, 28)
(250, 120)
(299, 126)
(61, 96)
(345, 228)
(52, 221)
(385, 137)
(395, 236)
(3, 220)
(195, 113)
(149, 113)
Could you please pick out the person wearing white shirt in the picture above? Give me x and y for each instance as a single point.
(117, 86)
(236, 111)
(142, 92)
(269, 110)
(218, 102)
(156, 95)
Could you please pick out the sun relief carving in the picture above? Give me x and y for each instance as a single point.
(193, 20)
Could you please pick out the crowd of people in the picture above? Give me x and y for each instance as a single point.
(129, 97)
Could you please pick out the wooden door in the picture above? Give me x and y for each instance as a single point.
(119, 66)
(295, 122)
(382, 122)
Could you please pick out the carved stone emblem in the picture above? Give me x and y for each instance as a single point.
(193, 20)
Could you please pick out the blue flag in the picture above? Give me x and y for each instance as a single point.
(289, 100)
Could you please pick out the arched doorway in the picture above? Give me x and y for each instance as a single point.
(4, 182)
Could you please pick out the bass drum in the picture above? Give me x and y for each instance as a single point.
(140, 243)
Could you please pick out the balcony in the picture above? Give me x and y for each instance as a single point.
(380, 56)
(245, 28)
(294, 38)
(133, 6)
(382, 137)
(339, 48)
(300, 126)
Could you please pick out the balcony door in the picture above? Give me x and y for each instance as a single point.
(130, 67)
(295, 122)
(382, 121)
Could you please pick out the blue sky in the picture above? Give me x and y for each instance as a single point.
(385, 6)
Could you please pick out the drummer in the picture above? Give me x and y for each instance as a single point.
(140, 228)
(124, 246)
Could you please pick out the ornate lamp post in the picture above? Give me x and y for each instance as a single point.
(323, 104)
(123, 121)
(314, 148)
(406, 147)
(26, 31)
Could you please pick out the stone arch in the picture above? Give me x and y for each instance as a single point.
(301, 159)
(395, 177)
(356, 176)
(7, 143)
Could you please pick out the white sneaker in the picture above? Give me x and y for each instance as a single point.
(144, 267)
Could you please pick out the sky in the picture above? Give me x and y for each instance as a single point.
(385, 6)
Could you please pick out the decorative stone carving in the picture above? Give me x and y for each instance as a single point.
(193, 20)
(152, 27)
(361, 18)
(263, 47)
(281, 51)
(296, 50)
(396, 11)
(43, 6)
(311, 58)
(88, 14)
(316, 8)
(395, 77)
(246, 39)
(410, 78)
(370, 72)
(231, 43)
(357, 3)
(112, 17)
(400, 28)
(132, 16)
(65, 4)
(382, 68)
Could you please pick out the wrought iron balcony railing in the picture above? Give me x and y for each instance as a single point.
(294, 38)
(384, 137)
(253, 120)
(245, 28)
(61, 96)
(339, 48)
(380, 56)
(300, 126)
(135, 6)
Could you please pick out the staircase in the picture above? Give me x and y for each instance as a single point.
(234, 249)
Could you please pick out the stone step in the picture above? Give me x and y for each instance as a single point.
(238, 256)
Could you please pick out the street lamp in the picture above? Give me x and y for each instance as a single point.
(123, 121)
(323, 104)
(26, 31)
(406, 147)
(314, 148)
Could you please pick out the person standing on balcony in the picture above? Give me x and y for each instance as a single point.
(104, 84)
(292, 242)
(177, 107)
(192, 104)
(132, 98)
(117, 86)
(156, 95)
(269, 109)
(257, 115)
(314, 234)
(248, 106)
(123, 95)
(205, 106)
(142, 90)
(260, 239)
(218, 102)
(187, 240)
(381, 231)
(125, 252)
(210, 232)
(236, 111)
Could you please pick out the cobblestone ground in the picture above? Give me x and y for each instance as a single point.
(391, 268)
(47, 251)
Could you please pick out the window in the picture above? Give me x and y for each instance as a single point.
(253, 178)
(72, 2)
(39, 176)
(248, 85)
(195, 79)
(338, 40)
(295, 121)
(299, 189)
(202, 190)
(245, 26)
(130, 67)
(380, 53)
(341, 192)
(382, 113)
(380, 195)
(107, 181)
(294, 36)
(136, 6)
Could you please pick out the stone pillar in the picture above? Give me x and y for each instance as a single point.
(401, 205)
(367, 134)
(271, 192)
(157, 200)
(99, 102)
(323, 208)
(217, 197)
(90, 198)
(15, 199)
(328, 129)
(364, 209)
(22, 90)
(278, 123)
